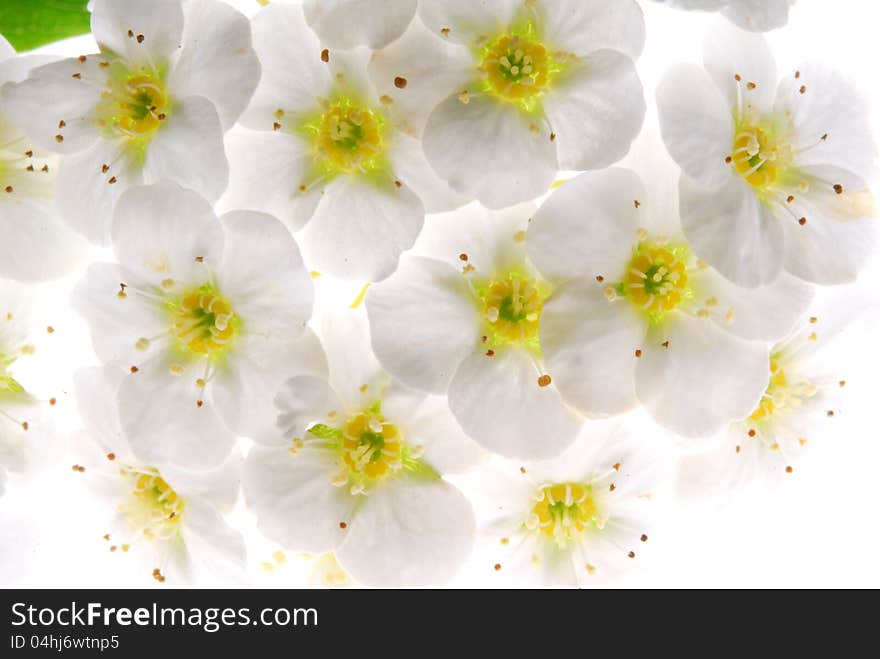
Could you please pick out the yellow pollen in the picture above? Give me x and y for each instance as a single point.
(348, 137)
(517, 67)
(758, 157)
(134, 105)
(512, 309)
(154, 509)
(563, 512)
(371, 446)
(656, 279)
(782, 394)
(204, 322)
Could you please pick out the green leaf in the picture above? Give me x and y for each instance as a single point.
(322, 431)
(29, 24)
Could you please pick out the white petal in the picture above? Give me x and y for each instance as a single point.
(244, 391)
(163, 422)
(423, 322)
(584, 26)
(361, 226)
(96, 394)
(487, 149)
(188, 149)
(596, 111)
(703, 379)
(117, 24)
(733, 231)
(759, 15)
(466, 20)
(425, 421)
(697, 124)
(587, 227)
(293, 75)
(728, 52)
(217, 60)
(294, 499)
(218, 487)
(6, 49)
(766, 313)
(36, 245)
(85, 197)
(51, 95)
(354, 372)
(116, 323)
(159, 231)
(410, 166)
(209, 537)
(831, 106)
(498, 402)
(432, 67)
(409, 533)
(263, 276)
(266, 170)
(301, 402)
(589, 345)
(350, 23)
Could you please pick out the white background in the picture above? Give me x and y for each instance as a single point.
(820, 528)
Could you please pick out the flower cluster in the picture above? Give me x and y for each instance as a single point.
(542, 270)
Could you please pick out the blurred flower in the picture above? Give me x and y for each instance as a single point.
(754, 15)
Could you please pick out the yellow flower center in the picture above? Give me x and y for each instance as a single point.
(517, 67)
(656, 279)
(154, 508)
(783, 393)
(133, 105)
(512, 310)
(204, 322)
(349, 137)
(371, 446)
(563, 511)
(759, 157)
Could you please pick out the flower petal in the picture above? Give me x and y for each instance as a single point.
(188, 149)
(766, 313)
(423, 323)
(589, 345)
(498, 402)
(487, 149)
(96, 395)
(36, 245)
(729, 52)
(409, 533)
(733, 231)
(596, 111)
(361, 226)
(351, 23)
(697, 124)
(565, 242)
(465, 21)
(293, 75)
(294, 499)
(759, 15)
(208, 536)
(410, 166)
(703, 379)
(118, 24)
(217, 60)
(160, 230)
(585, 26)
(163, 422)
(302, 401)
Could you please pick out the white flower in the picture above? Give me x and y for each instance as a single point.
(36, 245)
(26, 430)
(574, 521)
(166, 518)
(324, 151)
(462, 315)
(350, 23)
(774, 178)
(153, 104)
(799, 406)
(519, 89)
(754, 15)
(207, 315)
(638, 318)
(356, 468)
